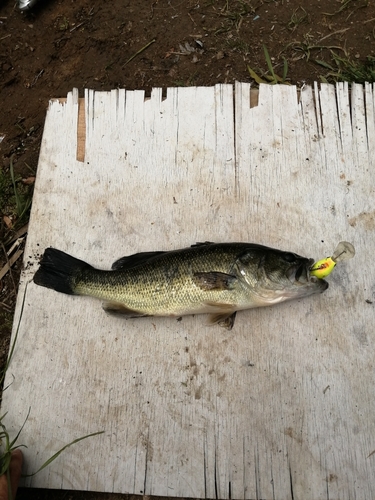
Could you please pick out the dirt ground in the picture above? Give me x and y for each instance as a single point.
(142, 44)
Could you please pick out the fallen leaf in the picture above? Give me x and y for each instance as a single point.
(28, 181)
(8, 221)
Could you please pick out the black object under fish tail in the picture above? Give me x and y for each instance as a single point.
(59, 271)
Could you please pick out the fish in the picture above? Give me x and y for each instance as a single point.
(218, 279)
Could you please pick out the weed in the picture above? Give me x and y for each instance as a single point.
(299, 16)
(5, 190)
(23, 201)
(238, 45)
(140, 51)
(15, 197)
(270, 76)
(348, 4)
(64, 24)
(6, 318)
(7, 447)
(234, 17)
(189, 82)
(343, 68)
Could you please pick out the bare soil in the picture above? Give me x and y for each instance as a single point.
(142, 44)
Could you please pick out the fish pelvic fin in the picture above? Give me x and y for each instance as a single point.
(118, 309)
(214, 281)
(59, 271)
(224, 320)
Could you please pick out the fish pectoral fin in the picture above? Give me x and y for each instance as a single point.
(134, 260)
(224, 320)
(214, 281)
(119, 309)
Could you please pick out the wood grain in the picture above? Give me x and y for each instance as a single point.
(282, 406)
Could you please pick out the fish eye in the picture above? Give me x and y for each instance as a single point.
(289, 257)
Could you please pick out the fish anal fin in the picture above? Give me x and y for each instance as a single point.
(214, 281)
(134, 260)
(224, 320)
(119, 309)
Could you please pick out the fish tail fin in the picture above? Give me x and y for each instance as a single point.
(59, 271)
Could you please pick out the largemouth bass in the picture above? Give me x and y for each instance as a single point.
(215, 278)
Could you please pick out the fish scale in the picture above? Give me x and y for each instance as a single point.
(161, 287)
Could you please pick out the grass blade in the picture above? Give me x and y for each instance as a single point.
(23, 203)
(254, 76)
(2, 377)
(51, 459)
(324, 64)
(269, 62)
(16, 194)
(13, 442)
(285, 69)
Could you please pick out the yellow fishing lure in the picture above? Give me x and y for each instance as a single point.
(324, 267)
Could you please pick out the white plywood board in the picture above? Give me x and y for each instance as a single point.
(282, 406)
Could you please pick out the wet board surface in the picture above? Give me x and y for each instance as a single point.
(282, 406)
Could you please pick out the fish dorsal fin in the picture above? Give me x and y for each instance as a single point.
(202, 243)
(134, 260)
(214, 281)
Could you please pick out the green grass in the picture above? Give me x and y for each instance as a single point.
(22, 197)
(269, 76)
(299, 16)
(234, 16)
(15, 197)
(351, 5)
(338, 63)
(343, 68)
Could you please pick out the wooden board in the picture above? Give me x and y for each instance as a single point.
(281, 407)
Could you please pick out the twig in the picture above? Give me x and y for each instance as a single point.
(19, 233)
(139, 51)
(16, 244)
(6, 36)
(6, 307)
(192, 18)
(36, 78)
(152, 9)
(334, 33)
(10, 263)
(78, 26)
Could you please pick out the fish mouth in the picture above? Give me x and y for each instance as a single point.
(299, 274)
